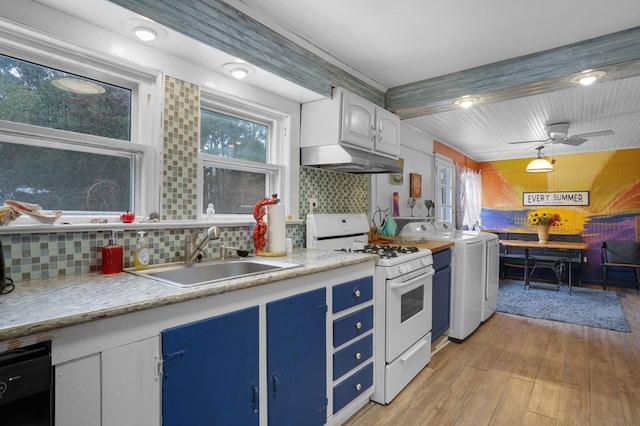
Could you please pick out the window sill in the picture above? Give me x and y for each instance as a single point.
(62, 226)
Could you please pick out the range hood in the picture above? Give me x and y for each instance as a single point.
(347, 160)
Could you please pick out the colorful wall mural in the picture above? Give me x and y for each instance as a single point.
(612, 179)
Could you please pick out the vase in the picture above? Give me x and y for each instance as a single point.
(543, 233)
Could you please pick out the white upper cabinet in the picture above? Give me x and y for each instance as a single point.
(353, 121)
(358, 121)
(369, 126)
(388, 128)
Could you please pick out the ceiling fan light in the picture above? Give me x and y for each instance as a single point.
(539, 165)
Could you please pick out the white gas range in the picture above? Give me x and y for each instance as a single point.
(402, 298)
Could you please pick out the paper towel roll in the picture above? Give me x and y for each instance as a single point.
(276, 228)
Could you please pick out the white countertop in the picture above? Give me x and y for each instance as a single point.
(39, 306)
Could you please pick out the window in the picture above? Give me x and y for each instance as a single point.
(66, 139)
(240, 158)
(445, 190)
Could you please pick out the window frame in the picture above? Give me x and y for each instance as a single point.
(442, 162)
(145, 139)
(277, 166)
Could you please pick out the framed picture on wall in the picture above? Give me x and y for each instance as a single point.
(415, 185)
(396, 179)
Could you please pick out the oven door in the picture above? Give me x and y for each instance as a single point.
(408, 310)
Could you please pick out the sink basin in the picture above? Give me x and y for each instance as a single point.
(210, 272)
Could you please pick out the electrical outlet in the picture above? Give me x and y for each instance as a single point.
(313, 205)
(584, 259)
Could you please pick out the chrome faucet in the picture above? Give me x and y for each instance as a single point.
(193, 251)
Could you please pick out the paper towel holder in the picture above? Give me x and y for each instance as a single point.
(260, 230)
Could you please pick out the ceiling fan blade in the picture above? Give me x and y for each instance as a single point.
(574, 141)
(537, 142)
(594, 134)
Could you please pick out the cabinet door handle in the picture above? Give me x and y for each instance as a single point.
(358, 387)
(275, 384)
(373, 133)
(254, 397)
(358, 355)
(356, 293)
(358, 325)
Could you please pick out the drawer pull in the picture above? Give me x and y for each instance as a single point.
(356, 293)
(358, 387)
(358, 355)
(358, 325)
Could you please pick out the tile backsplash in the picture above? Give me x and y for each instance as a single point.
(50, 254)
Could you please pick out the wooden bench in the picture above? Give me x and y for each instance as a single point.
(546, 264)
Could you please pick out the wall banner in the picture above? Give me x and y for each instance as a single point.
(556, 198)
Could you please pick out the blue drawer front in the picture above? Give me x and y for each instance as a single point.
(441, 259)
(352, 356)
(352, 293)
(352, 326)
(352, 387)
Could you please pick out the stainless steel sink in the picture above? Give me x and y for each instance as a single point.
(182, 275)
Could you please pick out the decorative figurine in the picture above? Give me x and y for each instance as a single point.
(260, 230)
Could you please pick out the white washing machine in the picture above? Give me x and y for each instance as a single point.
(468, 264)
(492, 277)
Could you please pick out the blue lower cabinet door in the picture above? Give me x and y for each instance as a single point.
(210, 371)
(297, 360)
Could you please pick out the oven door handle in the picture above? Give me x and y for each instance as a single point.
(412, 281)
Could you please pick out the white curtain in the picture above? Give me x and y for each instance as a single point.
(470, 198)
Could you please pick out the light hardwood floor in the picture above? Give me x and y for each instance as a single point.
(522, 371)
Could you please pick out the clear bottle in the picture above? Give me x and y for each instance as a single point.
(141, 256)
(210, 212)
(112, 256)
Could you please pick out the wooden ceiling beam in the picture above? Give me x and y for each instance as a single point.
(618, 54)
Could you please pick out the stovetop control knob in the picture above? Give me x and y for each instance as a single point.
(405, 269)
(425, 262)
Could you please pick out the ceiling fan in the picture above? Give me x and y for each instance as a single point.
(557, 133)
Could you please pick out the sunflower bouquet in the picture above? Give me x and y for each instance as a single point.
(536, 218)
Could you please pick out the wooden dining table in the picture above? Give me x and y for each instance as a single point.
(561, 245)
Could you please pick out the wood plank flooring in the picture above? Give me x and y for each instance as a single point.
(523, 371)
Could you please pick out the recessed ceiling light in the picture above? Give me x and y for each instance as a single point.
(587, 77)
(145, 34)
(78, 86)
(467, 101)
(144, 29)
(238, 70)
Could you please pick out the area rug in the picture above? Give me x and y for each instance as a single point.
(585, 306)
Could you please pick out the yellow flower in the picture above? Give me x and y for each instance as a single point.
(538, 217)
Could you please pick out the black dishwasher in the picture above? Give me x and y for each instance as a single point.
(26, 386)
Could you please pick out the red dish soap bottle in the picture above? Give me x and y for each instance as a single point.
(112, 256)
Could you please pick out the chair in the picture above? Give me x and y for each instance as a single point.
(620, 254)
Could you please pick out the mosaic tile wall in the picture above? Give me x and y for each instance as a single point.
(180, 150)
(45, 255)
(336, 192)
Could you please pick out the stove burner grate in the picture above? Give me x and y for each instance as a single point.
(386, 251)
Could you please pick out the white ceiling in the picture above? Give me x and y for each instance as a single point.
(403, 41)
(390, 43)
